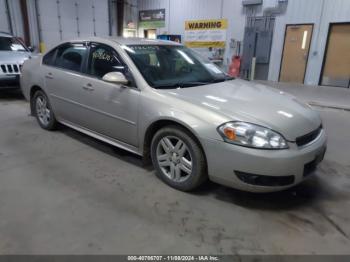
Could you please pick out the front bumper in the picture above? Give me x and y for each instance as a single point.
(9, 82)
(240, 167)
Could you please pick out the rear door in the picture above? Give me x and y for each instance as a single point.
(64, 83)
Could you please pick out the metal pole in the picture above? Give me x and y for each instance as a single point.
(168, 14)
(94, 18)
(24, 12)
(37, 13)
(59, 20)
(222, 9)
(120, 17)
(110, 17)
(252, 72)
(320, 21)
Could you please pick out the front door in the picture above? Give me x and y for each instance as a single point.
(336, 70)
(113, 108)
(295, 53)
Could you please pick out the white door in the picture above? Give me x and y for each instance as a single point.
(62, 20)
(4, 26)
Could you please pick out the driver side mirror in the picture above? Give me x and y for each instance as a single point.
(115, 78)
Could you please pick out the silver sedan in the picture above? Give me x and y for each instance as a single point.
(165, 102)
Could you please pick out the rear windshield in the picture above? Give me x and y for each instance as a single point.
(11, 44)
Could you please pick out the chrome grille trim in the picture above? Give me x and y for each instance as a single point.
(10, 69)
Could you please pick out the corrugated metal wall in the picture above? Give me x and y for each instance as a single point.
(298, 12)
(319, 12)
(178, 11)
(93, 19)
(334, 11)
(235, 14)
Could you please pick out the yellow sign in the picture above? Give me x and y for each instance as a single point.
(206, 33)
(205, 44)
(219, 24)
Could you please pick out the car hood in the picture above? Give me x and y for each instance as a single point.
(240, 100)
(13, 57)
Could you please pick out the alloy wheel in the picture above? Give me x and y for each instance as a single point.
(174, 158)
(42, 110)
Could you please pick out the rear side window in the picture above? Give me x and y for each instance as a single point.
(48, 58)
(71, 57)
(103, 59)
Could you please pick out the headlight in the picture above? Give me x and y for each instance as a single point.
(250, 135)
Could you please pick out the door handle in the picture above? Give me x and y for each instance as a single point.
(88, 87)
(49, 76)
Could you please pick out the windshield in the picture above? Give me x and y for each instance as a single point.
(11, 44)
(172, 66)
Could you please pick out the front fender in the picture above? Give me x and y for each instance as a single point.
(155, 107)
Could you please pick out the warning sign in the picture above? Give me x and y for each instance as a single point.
(205, 33)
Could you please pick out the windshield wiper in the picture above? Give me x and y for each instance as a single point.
(193, 83)
(228, 78)
(180, 85)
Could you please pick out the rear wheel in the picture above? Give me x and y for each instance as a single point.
(43, 111)
(178, 159)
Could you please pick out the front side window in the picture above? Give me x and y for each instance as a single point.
(11, 44)
(172, 66)
(103, 59)
(71, 56)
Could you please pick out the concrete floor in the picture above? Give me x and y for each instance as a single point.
(325, 96)
(65, 193)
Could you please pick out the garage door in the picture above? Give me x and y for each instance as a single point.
(336, 71)
(62, 20)
(4, 26)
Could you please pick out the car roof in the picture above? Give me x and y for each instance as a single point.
(127, 41)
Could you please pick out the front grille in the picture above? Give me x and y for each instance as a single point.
(261, 180)
(308, 138)
(10, 69)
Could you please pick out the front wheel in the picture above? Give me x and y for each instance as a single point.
(178, 159)
(43, 111)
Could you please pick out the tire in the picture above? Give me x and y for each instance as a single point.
(178, 159)
(43, 112)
